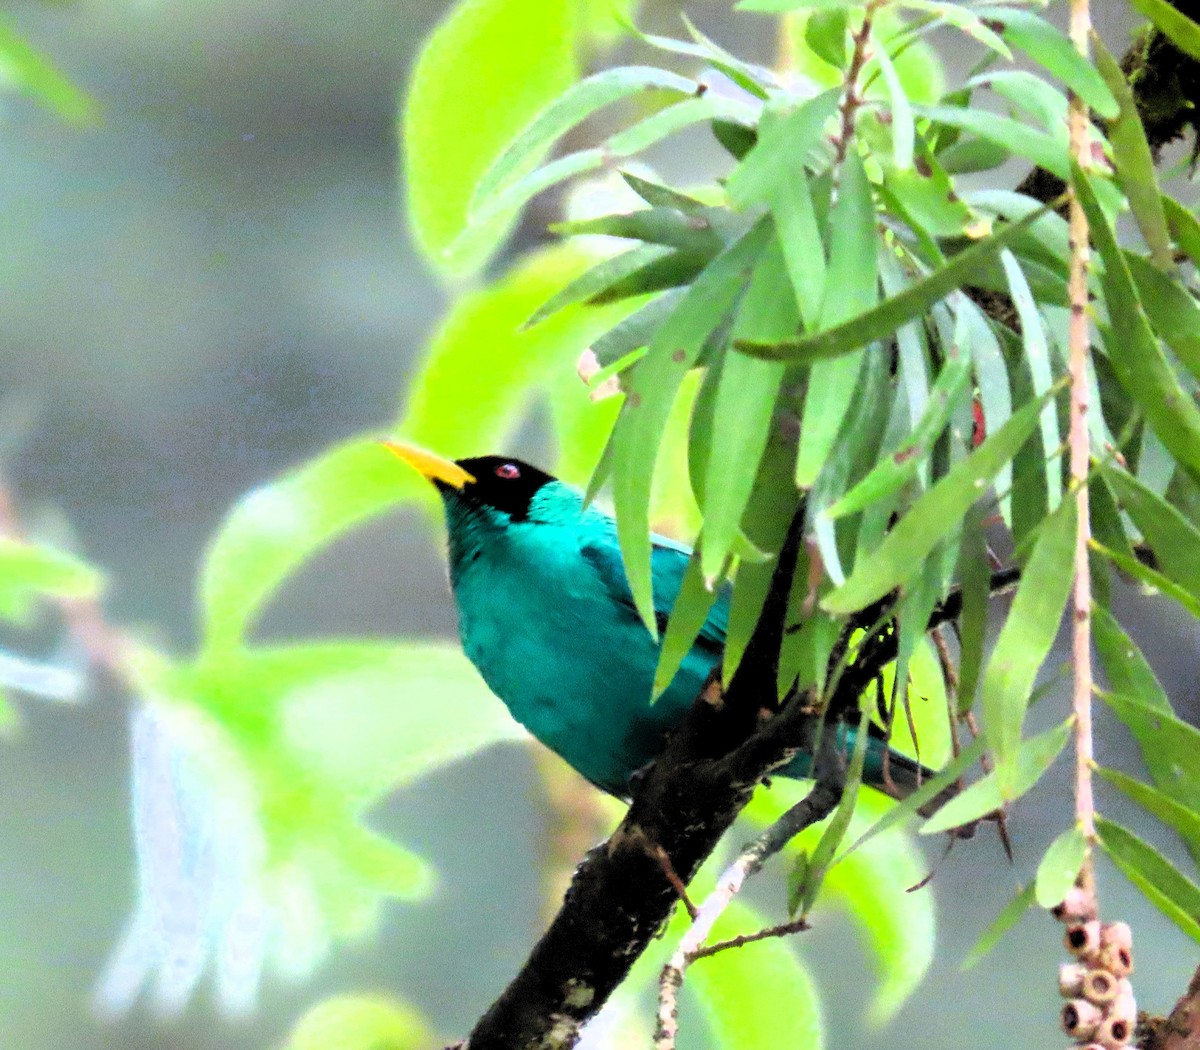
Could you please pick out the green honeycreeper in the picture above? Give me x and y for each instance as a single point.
(546, 615)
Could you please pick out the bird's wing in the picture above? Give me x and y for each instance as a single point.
(668, 560)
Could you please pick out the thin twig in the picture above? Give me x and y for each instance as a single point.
(782, 930)
(815, 806)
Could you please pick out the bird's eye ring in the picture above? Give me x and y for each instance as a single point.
(508, 471)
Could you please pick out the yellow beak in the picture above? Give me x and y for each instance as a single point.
(434, 467)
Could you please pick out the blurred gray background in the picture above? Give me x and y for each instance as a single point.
(215, 283)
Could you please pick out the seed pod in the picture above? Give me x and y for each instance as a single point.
(1070, 980)
(1080, 1019)
(1116, 948)
(1099, 986)
(1077, 906)
(1083, 939)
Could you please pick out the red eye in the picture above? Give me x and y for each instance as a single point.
(508, 470)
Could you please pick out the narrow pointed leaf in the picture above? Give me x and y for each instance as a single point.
(1175, 744)
(1059, 867)
(1027, 636)
(653, 386)
(599, 279)
(688, 614)
(1184, 227)
(884, 319)
(570, 108)
(32, 73)
(1037, 356)
(852, 286)
(902, 464)
(1009, 916)
(903, 128)
(1163, 884)
(1177, 27)
(1133, 160)
(1171, 812)
(1049, 47)
(974, 574)
(1174, 540)
(934, 514)
(985, 796)
(1135, 356)
(1129, 565)
(1171, 308)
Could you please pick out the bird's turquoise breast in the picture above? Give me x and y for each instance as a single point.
(573, 667)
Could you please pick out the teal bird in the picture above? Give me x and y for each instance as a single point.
(546, 615)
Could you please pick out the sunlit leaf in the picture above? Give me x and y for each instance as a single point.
(932, 516)
(1050, 48)
(739, 992)
(360, 1022)
(688, 614)
(528, 46)
(653, 385)
(24, 68)
(569, 108)
(29, 571)
(1059, 867)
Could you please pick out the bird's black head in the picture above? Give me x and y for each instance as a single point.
(500, 482)
(479, 483)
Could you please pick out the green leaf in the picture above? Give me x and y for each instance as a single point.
(653, 386)
(839, 821)
(1155, 580)
(926, 793)
(988, 794)
(360, 1022)
(1059, 867)
(1043, 149)
(1184, 226)
(526, 45)
(745, 407)
(1049, 47)
(1027, 636)
(882, 320)
(1037, 356)
(1162, 884)
(31, 72)
(1136, 358)
(1124, 665)
(932, 517)
(1171, 308)
(1177, 27)
(901, 465)
(871, 881)
(654, 225)
(1170, 811)
(688, 615)
(739, 991)
(965, 21)
(29, 571)
(570, 108)
(1009, 916)
(903, 127)
(1174, 744)
(1173, 538)
(975, 579)
(599, 279)
(852, 286)
(1133, 160)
